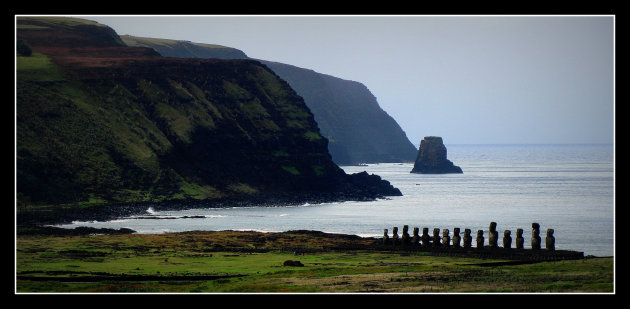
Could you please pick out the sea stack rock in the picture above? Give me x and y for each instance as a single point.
(431, 158)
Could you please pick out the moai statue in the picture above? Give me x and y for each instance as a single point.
(426, 239)
(456, 238)
(535, 236)
(493, 235)
(436, 237)
(405, 236)
(467, 238)
(507, 239)
(520, 241)
(550, 241)
(446, 239)
(395, 236)
(480, 239)
(415, 240)
(385, 237)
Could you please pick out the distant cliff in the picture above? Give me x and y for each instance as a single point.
(347, 113)
(185, 49)
(99, 122)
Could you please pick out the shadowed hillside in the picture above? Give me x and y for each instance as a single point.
(347, 113)
(100, 122)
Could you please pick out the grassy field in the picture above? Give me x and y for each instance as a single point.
(251, 262)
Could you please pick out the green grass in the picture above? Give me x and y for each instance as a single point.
(236, 92)
(92, 201)
(221, 254)
(37, 67)
(291, 169)
(199, 192)
(143, 41)
(319, 170)
(280, 153)
(178, 122)
(312, 136)
(242, 188)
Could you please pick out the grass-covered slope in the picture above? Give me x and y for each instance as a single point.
(102, 124)
(250, 262)
(48, 31)
(185, 49)
(347, 113)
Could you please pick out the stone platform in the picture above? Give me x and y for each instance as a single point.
(444, 245)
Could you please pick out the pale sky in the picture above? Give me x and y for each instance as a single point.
(470, 79)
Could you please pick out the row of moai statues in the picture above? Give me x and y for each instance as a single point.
(445, 240)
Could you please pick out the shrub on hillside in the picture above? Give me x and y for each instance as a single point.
(23, 48)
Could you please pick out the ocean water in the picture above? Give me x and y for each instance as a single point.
(569, 188)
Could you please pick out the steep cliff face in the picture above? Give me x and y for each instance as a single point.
(347, 113)
(100, 123)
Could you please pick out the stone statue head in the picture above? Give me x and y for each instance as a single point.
(493, 226)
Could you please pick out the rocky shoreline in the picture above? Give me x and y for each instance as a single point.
(33, 217)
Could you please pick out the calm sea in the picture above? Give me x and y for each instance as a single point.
(569, 188)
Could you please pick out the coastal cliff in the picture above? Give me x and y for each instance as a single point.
(348, 115)
(99, 122)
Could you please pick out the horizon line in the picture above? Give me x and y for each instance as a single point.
(541, 144)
